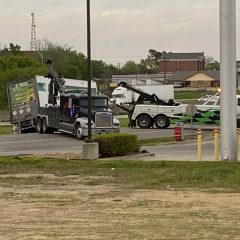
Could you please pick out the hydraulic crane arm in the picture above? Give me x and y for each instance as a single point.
(143, 96)
(56, 85)
(125, 85)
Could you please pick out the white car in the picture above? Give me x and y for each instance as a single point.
(204, 98)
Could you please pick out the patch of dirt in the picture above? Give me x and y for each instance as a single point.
(66, 208)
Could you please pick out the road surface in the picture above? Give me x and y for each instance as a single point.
(33, 143)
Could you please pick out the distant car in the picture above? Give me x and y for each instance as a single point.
(204, 98)
(178, 85)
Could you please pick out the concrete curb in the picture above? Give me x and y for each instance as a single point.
(5, 124)
(140, 156)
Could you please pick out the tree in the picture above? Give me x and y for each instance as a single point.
(109, 70)
(211, 64)
(148, 66)
(66, 61)
(15, 49)
(130, 67)
(13, 67)
(72, 64)
(154, 55)
(98, 68)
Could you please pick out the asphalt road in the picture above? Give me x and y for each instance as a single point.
(33, 143)
(155, 132)
(182, 151)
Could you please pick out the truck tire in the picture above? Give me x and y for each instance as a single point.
(51, 130)
(79, 132)
(44, 126)
(144, 121)
(162, 122)
(39, 126)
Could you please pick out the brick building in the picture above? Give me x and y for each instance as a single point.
(173, 62)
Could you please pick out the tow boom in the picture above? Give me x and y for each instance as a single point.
(56, 85)
(143, 96)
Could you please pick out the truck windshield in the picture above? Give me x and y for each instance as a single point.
(96, 102)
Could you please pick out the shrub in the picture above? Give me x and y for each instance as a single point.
(117, 144)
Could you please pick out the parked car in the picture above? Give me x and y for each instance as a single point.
(204, 98)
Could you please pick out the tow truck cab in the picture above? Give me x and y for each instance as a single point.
(74, 106)
(74, 115)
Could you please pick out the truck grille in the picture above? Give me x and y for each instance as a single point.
(103, 119)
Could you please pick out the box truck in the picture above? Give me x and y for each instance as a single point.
(122, 95)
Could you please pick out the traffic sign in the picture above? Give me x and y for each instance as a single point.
(191, 109)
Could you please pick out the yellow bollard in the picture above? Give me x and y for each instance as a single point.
(199, 139)
(216, 143)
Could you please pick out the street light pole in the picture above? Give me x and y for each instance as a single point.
(89, 70)
(228, 80)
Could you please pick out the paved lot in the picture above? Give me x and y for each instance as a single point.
(182, 151)
(32, 143)
(61, 143)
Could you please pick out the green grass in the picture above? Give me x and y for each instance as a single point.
(6, 130)
(155, 141)
(123, 122)
(187, 94)
(131, 174)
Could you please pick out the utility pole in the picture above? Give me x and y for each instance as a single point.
(90, 148)
(228, 80)
(89, 70)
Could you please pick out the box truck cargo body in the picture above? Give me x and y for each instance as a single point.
(122, 95)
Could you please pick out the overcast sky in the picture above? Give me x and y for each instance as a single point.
(121, 29)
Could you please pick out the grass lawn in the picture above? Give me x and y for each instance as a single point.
(186, 94)
(6, 130)
(63, 199)
(133, 174)
(123, 122)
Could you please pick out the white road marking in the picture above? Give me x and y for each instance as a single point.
(43, 140)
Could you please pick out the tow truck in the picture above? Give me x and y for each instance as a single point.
(65, 111)
(150, 110)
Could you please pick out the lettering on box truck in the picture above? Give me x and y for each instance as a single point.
(22, 93)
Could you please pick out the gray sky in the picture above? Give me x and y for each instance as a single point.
(121, 29)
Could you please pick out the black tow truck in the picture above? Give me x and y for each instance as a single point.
(64, 111)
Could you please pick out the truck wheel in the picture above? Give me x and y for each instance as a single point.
(39, 126)
(44, 126)
(144, 121)
(162, 122)
(50, 130)
(79, 133)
